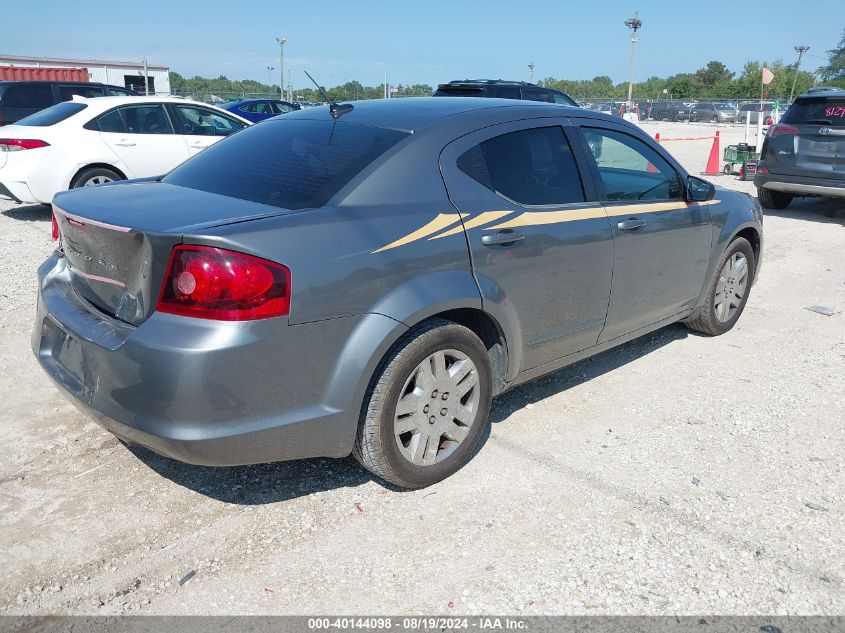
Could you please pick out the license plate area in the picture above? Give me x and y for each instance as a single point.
(62, 353)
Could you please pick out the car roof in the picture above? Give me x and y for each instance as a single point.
(824, 92)
(414, 113)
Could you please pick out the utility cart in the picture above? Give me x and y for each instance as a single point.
(741, 154)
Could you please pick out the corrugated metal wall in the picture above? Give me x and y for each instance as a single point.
(23, 73)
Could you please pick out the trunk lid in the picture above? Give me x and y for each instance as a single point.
(117, 238)
(810, 139)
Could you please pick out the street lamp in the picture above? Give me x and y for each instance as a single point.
(281, 41)
(634, 24)
(270, 75)
(531, 71)
(800, 50)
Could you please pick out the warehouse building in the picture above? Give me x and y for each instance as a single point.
(126, 74)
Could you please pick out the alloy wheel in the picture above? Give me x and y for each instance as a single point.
(731, 287)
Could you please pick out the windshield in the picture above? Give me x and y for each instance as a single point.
(53, 114)
(821, 111)
(293, 164)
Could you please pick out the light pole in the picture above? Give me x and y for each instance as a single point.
(281, 41)
(531, 72)
(800, 50)
(270, 75)
(634, 24)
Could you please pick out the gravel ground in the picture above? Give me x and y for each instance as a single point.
(678, 474)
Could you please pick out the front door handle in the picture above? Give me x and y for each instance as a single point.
(631, 224)
(505, 237)
(125, 143)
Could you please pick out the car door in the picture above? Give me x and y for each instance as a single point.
(202, 127)
(537, 237)
(661, 243)
(142, 136)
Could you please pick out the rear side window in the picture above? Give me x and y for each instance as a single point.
(292, 164)
(531, 167)
(538, 95)
(28, 96)
(508, 92)
(66, 93)
(822, 111)
(52, 115)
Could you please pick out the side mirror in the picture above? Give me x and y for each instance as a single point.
(699, 190)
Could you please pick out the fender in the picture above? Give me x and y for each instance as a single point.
(737, 212)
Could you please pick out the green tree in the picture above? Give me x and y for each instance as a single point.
(834, 71)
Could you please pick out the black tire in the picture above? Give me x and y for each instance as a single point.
(376, 446)
(773, 199)
(704, 320)
(714, 119)
(92, 173)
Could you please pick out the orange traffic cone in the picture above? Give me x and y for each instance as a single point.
(712, 168)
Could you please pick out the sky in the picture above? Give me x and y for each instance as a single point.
(421, 42)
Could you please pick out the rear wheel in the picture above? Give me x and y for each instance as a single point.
(773, 199)
(728, 291)
(94, 176)
(428, 407)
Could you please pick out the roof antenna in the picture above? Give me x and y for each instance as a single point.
(335, 109)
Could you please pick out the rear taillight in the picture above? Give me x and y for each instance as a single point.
(780, 129)
(18, 144)
(214, 283)
(55, 229)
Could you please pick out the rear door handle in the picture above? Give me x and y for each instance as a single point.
(502, 238)
(125, 143)
(631, 224)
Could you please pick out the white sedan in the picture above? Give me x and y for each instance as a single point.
(93, 141)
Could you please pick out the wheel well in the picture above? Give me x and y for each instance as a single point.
(488, 330)
(753, 238)
(98, 165)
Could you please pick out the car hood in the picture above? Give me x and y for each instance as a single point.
(152, 206)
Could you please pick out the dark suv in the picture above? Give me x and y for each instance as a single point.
(501, 89)
(804, 154)
(19, 99)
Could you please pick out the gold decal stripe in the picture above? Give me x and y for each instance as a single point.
(440, 222)
(535, 218)
(484, 218)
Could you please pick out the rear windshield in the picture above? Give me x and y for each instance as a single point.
(293, 164)
(52, 115)
(820, 111)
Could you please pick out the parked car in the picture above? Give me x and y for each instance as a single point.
(715, 112)
(755, 109)
(256, 110)
(501, 89)
(19, 99)
(804, 154)
(93, 141)
(670, 110)
(365, 278)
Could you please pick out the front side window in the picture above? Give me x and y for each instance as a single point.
(630, 169)
(146, 119)
(281, 108)
(287, 163)
(530, 167)
(203, 122)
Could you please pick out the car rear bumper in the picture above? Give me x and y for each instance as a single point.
(801, 185)
(200, 391)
